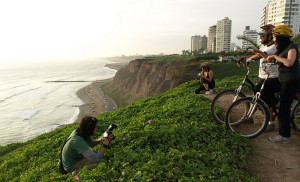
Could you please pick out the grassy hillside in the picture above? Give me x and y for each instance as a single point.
(225, 70)
(167, 137)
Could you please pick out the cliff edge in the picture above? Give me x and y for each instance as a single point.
(142, 78)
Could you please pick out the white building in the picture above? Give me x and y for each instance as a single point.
(232, 46)
(223, 35)
(282, 12)
(252, 35)
(212, 34)
(203, 42)
(198, 42)
(195, 43)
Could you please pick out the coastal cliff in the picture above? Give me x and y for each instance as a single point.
(142, 78)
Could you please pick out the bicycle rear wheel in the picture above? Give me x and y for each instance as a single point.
(221, 103)
(296, 116)
(237, 117)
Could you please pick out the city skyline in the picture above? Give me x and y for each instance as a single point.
(77, 29)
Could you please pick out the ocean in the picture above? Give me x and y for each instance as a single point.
(36, 97)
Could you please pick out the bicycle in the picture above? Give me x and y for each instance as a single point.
(295, 114)
(250, 115)
(225, 98)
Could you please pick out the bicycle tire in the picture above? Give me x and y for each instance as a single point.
(221, 103)
(296, 115)
(248, 127)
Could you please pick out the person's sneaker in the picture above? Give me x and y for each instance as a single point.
(270, 127)
(279, 139)
(208, 92)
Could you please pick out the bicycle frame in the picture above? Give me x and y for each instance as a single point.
(258, 95)
(245, 80)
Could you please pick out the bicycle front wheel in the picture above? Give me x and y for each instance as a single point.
(296, 116)
(238, 118)
(221, 103)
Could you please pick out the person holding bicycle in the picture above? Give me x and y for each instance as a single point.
(206, 79)
(287, 57)
(267, 48)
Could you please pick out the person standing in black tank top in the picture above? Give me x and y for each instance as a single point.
(287, 57)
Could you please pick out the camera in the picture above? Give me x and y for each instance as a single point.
(109, 131)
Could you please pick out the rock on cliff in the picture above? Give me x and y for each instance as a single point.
(142, 78)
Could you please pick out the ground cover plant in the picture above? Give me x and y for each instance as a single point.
(166, 137)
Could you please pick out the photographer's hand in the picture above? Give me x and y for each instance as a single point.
(105, 145)
(96, 142)
(106, 141)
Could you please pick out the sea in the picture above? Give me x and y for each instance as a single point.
(37, 97)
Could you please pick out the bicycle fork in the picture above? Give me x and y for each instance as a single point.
(237, 92)
(253, 106)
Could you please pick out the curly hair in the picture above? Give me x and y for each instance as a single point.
(86, 127)
(205, 65)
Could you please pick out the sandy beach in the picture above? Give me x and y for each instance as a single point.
(94, 99)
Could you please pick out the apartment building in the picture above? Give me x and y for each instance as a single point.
(212, 35)
(282, 12)
(198, 42)
(252, 35)
(223, 35)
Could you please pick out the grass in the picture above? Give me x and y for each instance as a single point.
(115, 96)
(166, 137)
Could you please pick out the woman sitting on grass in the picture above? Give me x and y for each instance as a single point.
(76, 152)
(206, 80)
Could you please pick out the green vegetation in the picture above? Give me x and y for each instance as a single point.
(166, 137)
(224, 70)
(114, 95)
(247, 39)
(296, 40)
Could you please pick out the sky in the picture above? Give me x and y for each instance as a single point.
(79, 29)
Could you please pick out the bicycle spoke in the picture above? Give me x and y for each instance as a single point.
(221, 103)
(238, 118)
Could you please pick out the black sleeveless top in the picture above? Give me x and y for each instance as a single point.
(212, 80)
(289, 73)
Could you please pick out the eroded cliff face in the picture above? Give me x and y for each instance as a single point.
(142, 78)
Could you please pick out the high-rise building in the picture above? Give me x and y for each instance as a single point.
(212, 34)
(195, 43)
(203, 42)
(250, 34)
(282, 12)
(223, 35)
(198, 42)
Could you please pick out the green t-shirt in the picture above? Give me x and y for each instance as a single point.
(72, 151)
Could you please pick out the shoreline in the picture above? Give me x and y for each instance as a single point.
(95, 101)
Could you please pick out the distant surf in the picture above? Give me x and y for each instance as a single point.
(36, 98)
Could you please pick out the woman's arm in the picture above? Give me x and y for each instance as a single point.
(210, 76)
(106, 143)
(288, 62)
(92, 156)
(93, 143)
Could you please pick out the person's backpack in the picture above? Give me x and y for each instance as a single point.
(61, 168)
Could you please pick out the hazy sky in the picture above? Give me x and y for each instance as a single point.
(77, 29)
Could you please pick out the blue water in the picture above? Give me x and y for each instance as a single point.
(30, 104)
